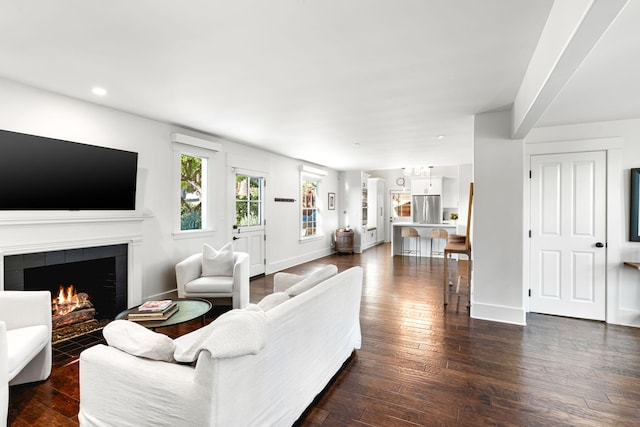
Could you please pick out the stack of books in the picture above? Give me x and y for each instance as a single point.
(154, 310)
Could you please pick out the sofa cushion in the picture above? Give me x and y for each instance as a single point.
(23, 344)
(137, 340)
(217, 262)
(210, 284)
(283, 281)
(235, 333)
(273, 300)
(312, 279)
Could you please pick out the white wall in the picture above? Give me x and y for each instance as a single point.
(28, 110)
(497, 221)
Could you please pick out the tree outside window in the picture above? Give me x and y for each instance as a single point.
(248, 200)
(191, 192)
(309, 199)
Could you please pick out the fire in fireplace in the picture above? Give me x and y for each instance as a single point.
(98, 276)
(70, 307)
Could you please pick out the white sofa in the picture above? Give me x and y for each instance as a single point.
(191, 283)
(25, 341)
(260, 366)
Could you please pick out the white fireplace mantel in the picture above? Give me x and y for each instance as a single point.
(34, 234)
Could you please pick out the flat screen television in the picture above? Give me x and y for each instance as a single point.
(38, 173)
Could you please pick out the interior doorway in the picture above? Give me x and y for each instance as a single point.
(568, 244)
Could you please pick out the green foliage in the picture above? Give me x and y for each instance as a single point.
(248, 200)
(190, 193)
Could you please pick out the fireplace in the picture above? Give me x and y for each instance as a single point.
(38, 239)
(98, 276)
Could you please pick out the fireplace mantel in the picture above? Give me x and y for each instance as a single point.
(29, 234)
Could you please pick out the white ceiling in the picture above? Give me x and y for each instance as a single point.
(357, 84)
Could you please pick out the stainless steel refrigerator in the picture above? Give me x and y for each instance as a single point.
(426, 209)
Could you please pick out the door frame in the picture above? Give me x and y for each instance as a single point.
(614, 200)
(231, 197)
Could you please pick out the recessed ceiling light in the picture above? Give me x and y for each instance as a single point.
(100, 91)
(441, 137)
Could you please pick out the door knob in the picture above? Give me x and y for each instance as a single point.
(599, 245)
(236, 238)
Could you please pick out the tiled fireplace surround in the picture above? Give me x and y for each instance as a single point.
(76, 236)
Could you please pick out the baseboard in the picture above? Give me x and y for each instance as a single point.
(499, 313)
(173, 293)
(626, 318)
(293, 261)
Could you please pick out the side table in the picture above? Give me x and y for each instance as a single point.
(344, 240)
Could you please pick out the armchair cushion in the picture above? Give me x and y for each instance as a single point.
(135, 339)
(23, 344)
(217, 262)
(210, 285)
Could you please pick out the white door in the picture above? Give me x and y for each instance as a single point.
(568, 234)
(249, 228)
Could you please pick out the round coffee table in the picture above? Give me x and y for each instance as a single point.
(189, 309)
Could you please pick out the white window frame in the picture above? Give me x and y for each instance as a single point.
(310, 173)
(206, 150)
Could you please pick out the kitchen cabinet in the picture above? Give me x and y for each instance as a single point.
(428, 186)
(450, 192)
(370, 237)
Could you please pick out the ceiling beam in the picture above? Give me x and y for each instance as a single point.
(572, 29)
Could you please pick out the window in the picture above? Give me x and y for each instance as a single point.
(309, 203)
(194, 160)
(401, 204)
(249, 195)
(192, 192)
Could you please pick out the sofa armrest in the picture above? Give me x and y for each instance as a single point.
(188, 270)
(282, 281)
(19, 309)
(240, 279)
(117, 388)
(4, 376)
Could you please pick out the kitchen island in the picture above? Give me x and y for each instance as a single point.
(425, 236)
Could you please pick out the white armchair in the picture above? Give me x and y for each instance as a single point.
(191, 283)
(25, 341)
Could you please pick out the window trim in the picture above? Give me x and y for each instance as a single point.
(319, 205)
(209, 157)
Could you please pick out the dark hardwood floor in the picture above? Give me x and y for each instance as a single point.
(423, 365)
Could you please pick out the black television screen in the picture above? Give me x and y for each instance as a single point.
(38, 173)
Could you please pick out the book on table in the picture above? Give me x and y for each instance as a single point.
(142, 316)
(156, 306)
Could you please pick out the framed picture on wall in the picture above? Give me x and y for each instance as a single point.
(332, 201)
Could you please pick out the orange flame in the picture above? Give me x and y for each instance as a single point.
(66, 301)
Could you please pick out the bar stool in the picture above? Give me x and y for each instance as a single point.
(438, 234)
(411, 234)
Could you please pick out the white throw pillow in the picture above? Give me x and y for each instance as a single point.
(217, 262)
(235, 333)
(273, 300)
(313, 279)
(137, 340)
